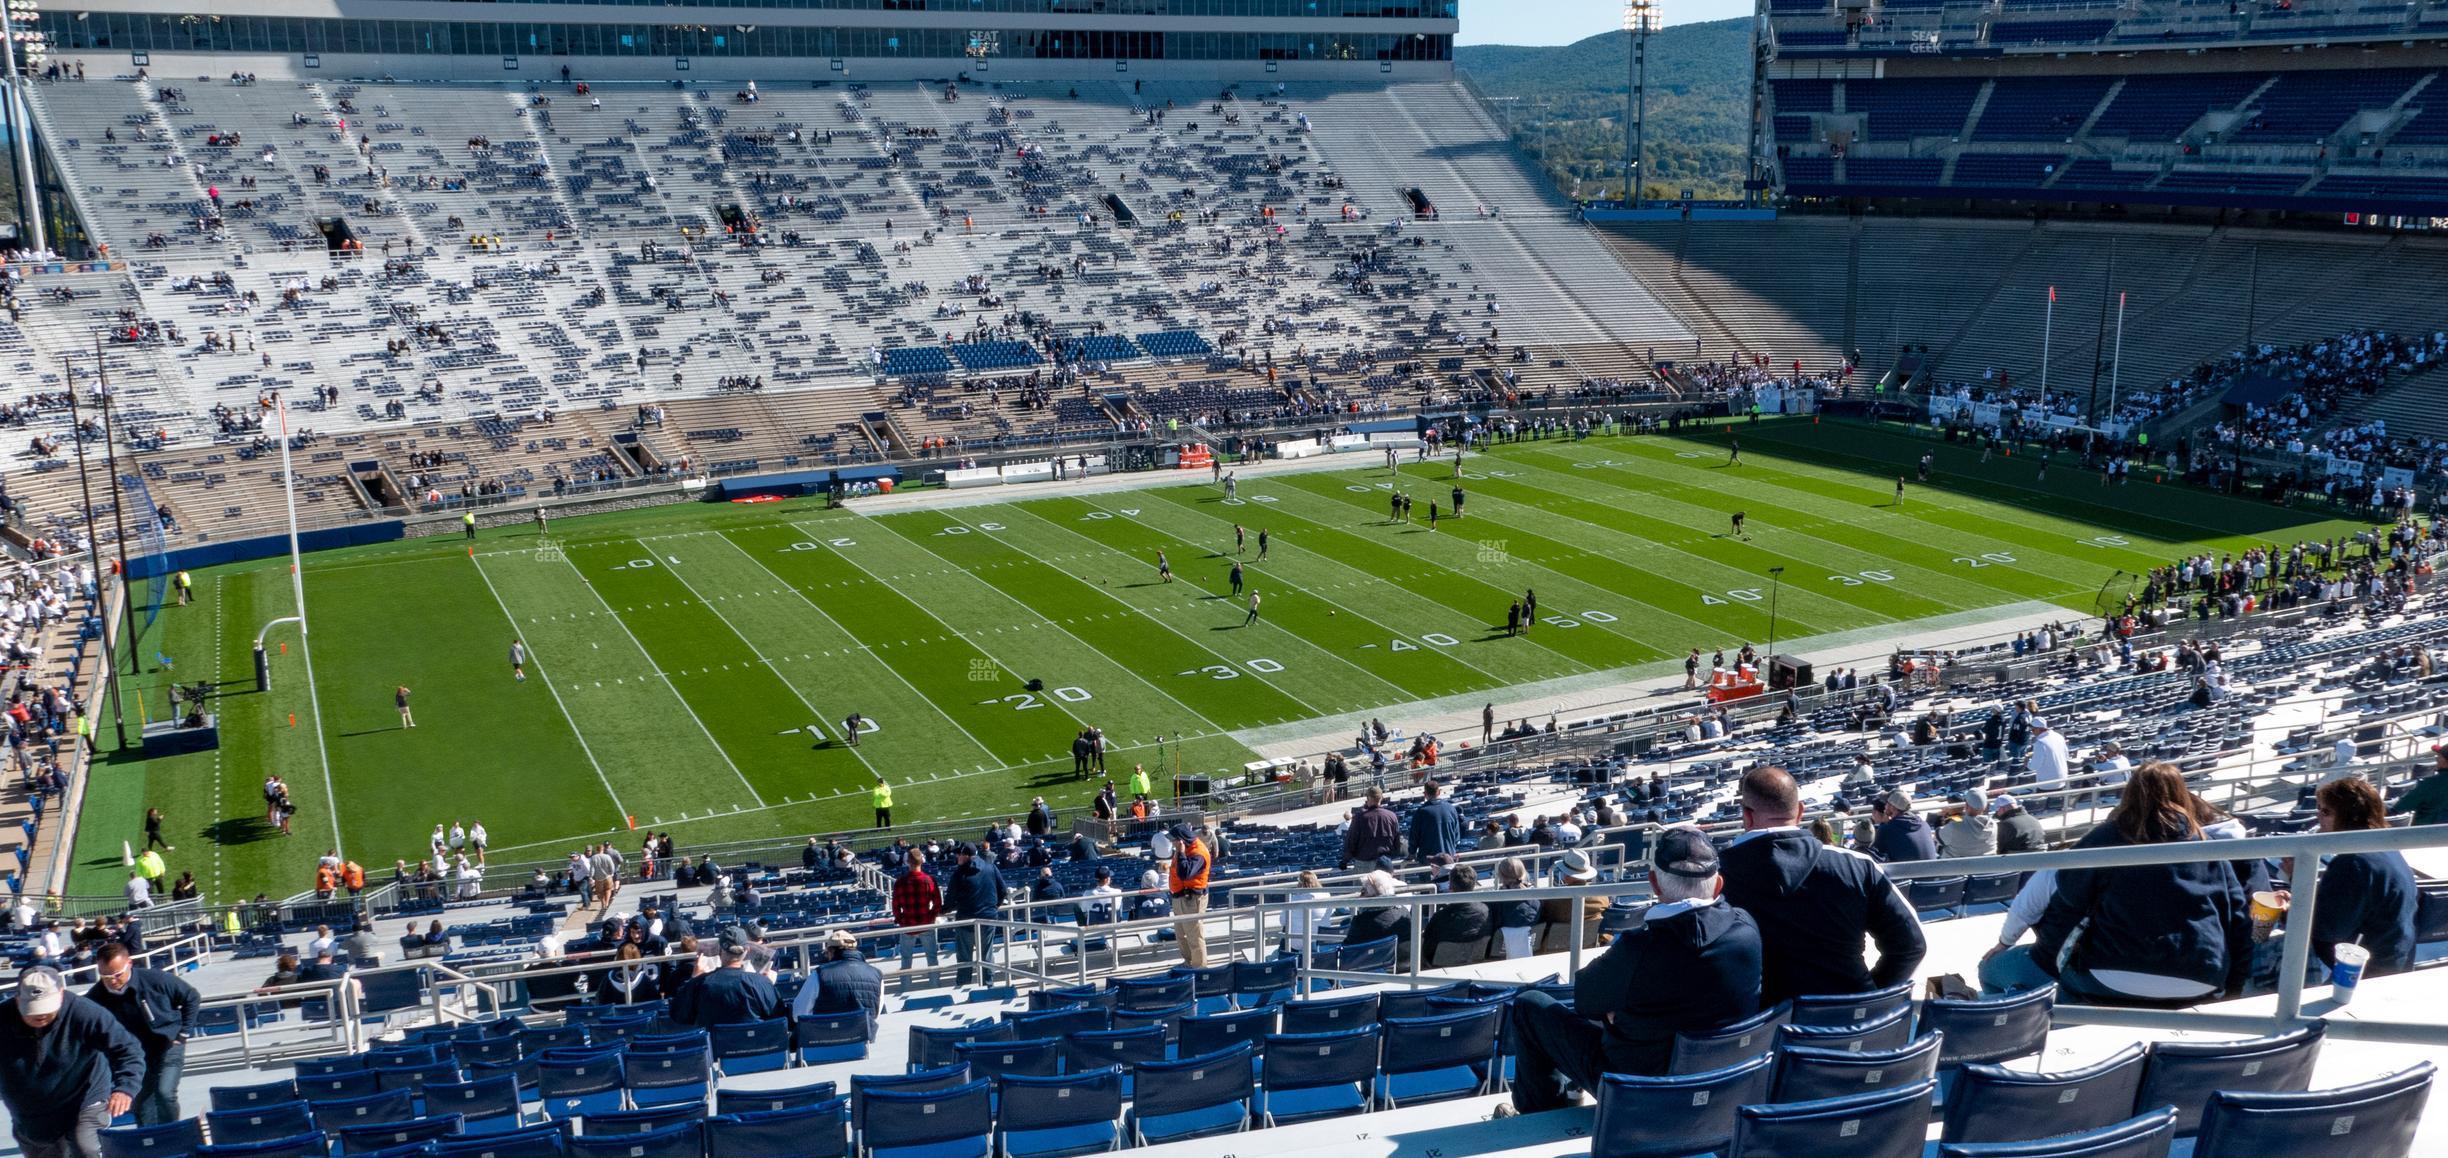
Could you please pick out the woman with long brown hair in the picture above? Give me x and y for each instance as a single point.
(2157, 935)
(2367, 898)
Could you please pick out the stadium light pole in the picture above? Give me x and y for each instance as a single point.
(297, 589)
(21, 111)
(110, 458)
(1639, 17)
(93, 544)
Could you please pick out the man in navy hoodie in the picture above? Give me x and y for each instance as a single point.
(66, 1068)
(974, 892)
(1814, 903)
(1692, 966)
(1436, 826)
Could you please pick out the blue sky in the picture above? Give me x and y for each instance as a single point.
(1565, 21)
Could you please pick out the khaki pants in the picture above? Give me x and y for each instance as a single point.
(1193, 931)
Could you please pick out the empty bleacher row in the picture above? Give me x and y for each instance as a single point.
(2362, 139)
(1817, 28)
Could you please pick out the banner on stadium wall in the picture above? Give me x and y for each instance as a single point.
(1990, 414)
(2396, 476)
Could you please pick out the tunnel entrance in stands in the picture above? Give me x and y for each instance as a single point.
(1122, 214)
(735, 219)
(337, 236)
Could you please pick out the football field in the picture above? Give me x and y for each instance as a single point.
(690, 667)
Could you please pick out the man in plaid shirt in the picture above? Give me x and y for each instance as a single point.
(917, 903)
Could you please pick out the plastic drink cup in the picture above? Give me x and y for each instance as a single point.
(2347, 972)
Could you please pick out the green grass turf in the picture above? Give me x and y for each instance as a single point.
(691, 664)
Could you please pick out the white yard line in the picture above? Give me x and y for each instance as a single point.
(538, 661)
(651, 665)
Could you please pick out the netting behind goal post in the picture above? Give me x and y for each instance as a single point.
(148, 551)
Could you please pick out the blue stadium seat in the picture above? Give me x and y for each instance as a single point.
(1991, 888)
(265, 1094)
(573, 1087)
(2188, 1074)
(1441, 1056)
(1886, 1031)
(1990, 1031)
(1988, 1103)
(1211, 987)
(392, 1135)
(2374, 1119)
(1673, 1116)
(658, 1076)
(932, 1046)
(1889, 1123)
(259, 1123)
(831, 1037)
(496, 1048)
(1699, 1053)
(529, 1142)
(336, 1114)
(685, 1140)
(941, 1123)
(1326, 1014)
(1809, 1073)
(751, 1047)
(1145, 993)
(1194, 1097)
(1318, 1075)
(414, 1078)
(1851, 1008)
(734, 1103)
(1036, 1057)
(1168, 1018)
(861, 1085)
(345, 1084)
(696, 1039)
(534, 1041)
(527, 1072)
(815, 1130)
(646, 1121)
(489, 1105)
(1060, 1022)
(1420, 1002)
(1071, 1114)
(1215, 1031)
(163, 1141)
(1264, 982)
(319, 1066)
(1371, 956)
(307, 1145)
(1929, 895)
(2146, 1136)
(1126, 1048)
(401, 1057)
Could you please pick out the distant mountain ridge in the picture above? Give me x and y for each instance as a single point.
(1699, 106)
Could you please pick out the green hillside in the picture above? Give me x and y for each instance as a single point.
(1571, 102)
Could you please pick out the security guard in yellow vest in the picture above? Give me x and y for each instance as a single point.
(186, 588)
(1139, 783)
(469, 521)
(883, 803)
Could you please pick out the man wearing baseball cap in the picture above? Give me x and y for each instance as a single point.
(731, 995)
(1693, 965)
(66, 1068)
(843, 982)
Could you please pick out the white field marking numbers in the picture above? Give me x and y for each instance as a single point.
(1432, 639)
(808, 545)
(1986, 559)
(2104, 541)
(1023, 701)
(1604, 462)
(1737, 595)
(1860, 577)
(958, 529)
(634, 565)
(1220, 671)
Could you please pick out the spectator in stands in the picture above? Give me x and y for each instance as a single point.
(1901, 834)
(729, 995)
(1969, 829)
(687, 959)
(1814, 903)
(159, 1011)
(1300, 921)
(917, 903)
(2048, 755)
(975, 893)
(1514, 921)
(1186, 883)
(550, 992)
(844, 982)
(66, 1068)
(327, 968)
(2367, 898)
(1436, 826)
(2017, 829)
(631, 978)
(2428, 799)
(2169, 934)
(1381, 921)
(2006, 967)
(1555, 931)
(1459, 932)
(1375, 831)
(1693, 965)
(812, 854)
